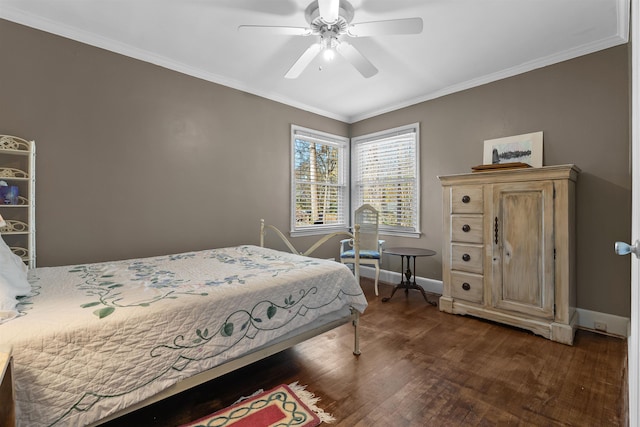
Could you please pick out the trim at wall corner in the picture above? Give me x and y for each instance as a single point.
(615, 325)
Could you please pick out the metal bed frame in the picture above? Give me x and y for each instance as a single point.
(269, 349)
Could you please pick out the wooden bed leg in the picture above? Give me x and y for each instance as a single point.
(356, 336)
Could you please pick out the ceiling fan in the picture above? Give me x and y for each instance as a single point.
(331, 21)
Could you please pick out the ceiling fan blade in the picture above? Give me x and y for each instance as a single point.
(389, 27)
(329, 10)
(305, 59)
(353, 55)
(273, 30)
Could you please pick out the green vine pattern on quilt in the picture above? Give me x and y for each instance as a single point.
(241, 324)
(262, 317)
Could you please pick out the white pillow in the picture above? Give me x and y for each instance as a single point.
(13, 282)
(13, 273)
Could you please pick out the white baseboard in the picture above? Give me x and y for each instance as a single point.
(587, 319)
(615, 325)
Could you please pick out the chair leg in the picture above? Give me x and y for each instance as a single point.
(377, 275)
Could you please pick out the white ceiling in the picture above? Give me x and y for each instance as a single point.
(464, 43)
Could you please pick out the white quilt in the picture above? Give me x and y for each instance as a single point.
(93, 339)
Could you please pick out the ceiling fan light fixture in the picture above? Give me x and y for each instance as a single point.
(329, 41)
(329, 54)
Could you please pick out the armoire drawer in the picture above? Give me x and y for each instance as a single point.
(468, 287)
(466, 199)
(466, 228)
(466, 258)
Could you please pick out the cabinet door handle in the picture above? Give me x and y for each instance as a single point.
(466, 228)
(466, 199)
(466, 257)
(466, 286)
(495, 230)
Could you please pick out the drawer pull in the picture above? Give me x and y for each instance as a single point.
(466, 286)
(466, 199)
(466, 228)
(466, 257)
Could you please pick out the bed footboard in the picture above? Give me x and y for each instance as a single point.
(355, 237)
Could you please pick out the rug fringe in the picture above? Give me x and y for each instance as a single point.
(311, 400)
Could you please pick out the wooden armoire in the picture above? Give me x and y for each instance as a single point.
(509, 248)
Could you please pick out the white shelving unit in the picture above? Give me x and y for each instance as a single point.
(17, 168)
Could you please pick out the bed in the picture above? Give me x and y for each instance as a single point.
(92, 342)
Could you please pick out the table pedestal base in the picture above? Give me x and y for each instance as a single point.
(406, 287)
(407, 283)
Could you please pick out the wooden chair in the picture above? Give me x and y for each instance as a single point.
(366, 217)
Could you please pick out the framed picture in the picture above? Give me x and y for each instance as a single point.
(526, 148)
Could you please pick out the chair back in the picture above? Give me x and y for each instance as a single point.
(367, 217)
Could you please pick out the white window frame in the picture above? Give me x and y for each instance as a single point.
(343, 180)
(356, 199)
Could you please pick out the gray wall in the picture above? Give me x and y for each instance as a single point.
(136, 160)
(582, 106)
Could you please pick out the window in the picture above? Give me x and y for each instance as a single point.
(319, 193)
(385, 174)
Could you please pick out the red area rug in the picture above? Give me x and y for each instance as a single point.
(281, 406)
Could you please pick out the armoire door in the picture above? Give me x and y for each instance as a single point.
(523, 248)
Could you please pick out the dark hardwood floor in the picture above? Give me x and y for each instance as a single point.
(422, 367)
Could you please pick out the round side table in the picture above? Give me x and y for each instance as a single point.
(408, 278)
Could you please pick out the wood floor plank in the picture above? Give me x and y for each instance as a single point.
(423, 367)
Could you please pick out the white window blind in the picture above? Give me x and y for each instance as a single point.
(385, 175)
(319, 181)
